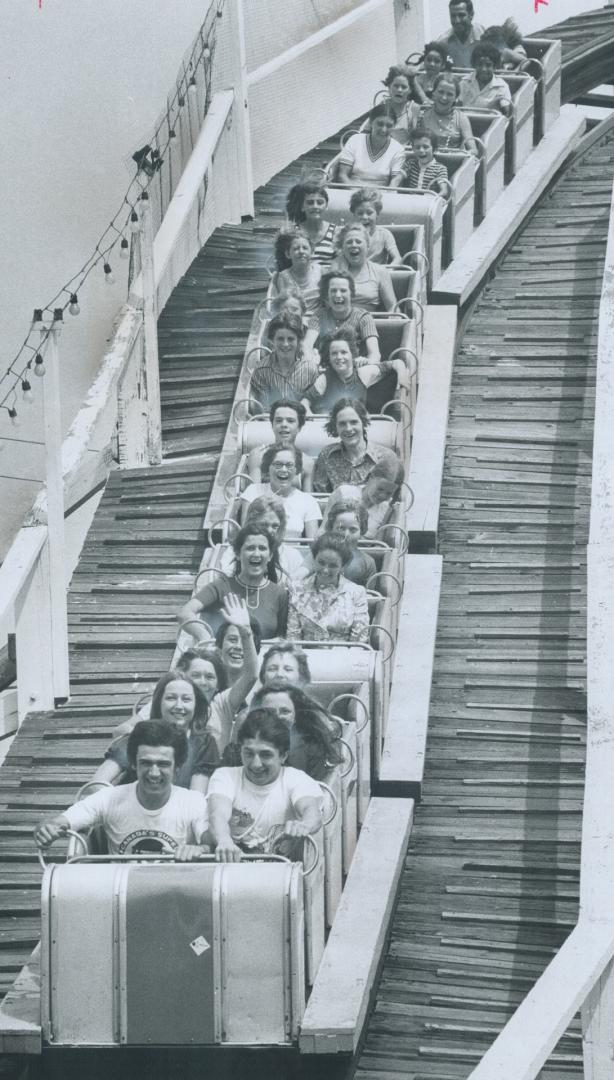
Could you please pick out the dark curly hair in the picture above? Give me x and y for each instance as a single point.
(296, 197)
(157, 733)
(487, 50)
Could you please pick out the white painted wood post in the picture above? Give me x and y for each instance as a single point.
(150, 327)
(58, 642)
(233, 65)
(34, 634)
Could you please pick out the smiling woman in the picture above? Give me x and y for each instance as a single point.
(266, 600)
(177, 700)
(282, 465)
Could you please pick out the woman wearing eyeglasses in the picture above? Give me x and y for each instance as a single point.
(281, 465)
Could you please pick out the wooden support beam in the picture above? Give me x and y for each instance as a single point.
(430, 427)
(57, 642)
(404, 753)
(341, 994)
(150, 329)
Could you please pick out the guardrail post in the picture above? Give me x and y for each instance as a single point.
(150, 329)
(233, 66)
(58, 642)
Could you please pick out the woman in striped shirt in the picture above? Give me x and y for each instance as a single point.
(306, 206)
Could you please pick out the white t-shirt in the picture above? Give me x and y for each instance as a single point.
(255, 810)
(133, 830)
(300, 507)
(368, 170)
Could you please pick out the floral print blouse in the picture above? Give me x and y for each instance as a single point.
(335, 613)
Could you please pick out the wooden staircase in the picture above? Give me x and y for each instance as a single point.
(490, 889)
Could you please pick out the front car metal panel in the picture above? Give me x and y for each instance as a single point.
(258, 947)
(79, 980)
(169, 958)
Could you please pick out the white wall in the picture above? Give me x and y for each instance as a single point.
(82, 84)
(492, 12)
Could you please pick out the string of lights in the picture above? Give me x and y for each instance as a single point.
(29, 360)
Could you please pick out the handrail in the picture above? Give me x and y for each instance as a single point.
(15, 570)
(187, 189)
(526, 1041)
(313, 41)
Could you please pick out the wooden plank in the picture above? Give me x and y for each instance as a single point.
(430, 426)
(403, 757)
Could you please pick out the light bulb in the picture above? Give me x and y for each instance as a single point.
(124, 248)
(28, 396)
(73, 307)
(181, 101)
(109, 276)
(58, 316)
(134, 222)
(14, 417)
(39, 366)
(37, 319)
(171, 133)
(192, 86)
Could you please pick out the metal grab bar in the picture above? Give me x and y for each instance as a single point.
(247, 401)
(310, 840)
(401, 405)
(345, 135)
(334, 803)
(264, 310)
(409, 300)
(448, 185)
(66, 832)
(407, 506)
(235, 476)
(384, 630)
(352, 697)
(209, 570)
(413, 370)
(197, 622)
(538, 64)
(387, 574)
(217, 524)
(144, 699)
(399, 528)
(351, 754)
(421, 255)
(256, 349)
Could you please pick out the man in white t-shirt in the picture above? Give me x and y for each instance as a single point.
(262, 797)
(149, 816)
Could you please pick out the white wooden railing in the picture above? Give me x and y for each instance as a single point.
(581, 976)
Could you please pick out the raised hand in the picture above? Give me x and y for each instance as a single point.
(235, 611)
